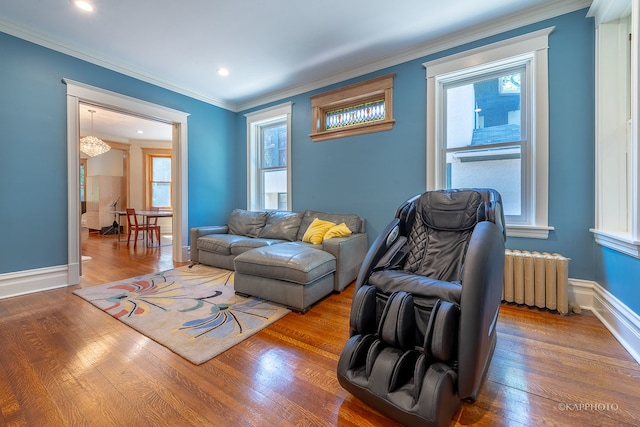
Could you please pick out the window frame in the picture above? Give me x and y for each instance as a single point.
(372, 90)
(522, 64)
(255, 121)
(148, 155)
(528, 49)
(617, 136)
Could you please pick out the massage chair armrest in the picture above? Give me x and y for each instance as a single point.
(378, 249)
(197, 232)
(482, 283)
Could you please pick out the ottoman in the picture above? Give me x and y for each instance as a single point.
(293, 274)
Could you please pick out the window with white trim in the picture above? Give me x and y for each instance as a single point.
(487, 126)
(269, 158)
(617, 142)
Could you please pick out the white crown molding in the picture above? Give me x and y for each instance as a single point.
(530, 16)
(111, 64)
(608, 10)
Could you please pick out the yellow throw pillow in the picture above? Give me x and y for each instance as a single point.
(340, 230)
(316, 231)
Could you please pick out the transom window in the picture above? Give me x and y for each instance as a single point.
(363, 113)
(356, 109)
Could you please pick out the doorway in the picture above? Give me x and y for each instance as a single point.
(78, 93)
(118, 179)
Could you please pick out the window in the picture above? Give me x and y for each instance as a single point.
(487, 126)
(485, 140)
(158, 188)
(268, 158)
(617, 219)
(363, 107)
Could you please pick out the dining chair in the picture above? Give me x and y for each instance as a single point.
(153, 224)
(134, 227)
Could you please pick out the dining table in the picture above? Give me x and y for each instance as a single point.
(146, 215)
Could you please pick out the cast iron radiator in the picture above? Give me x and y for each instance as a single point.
(536, 279)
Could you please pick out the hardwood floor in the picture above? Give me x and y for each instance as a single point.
(113, 260)
(66, 363)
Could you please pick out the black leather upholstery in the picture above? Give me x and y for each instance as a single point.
(425, 307)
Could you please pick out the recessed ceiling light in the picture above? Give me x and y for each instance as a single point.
(140, 131)
(224, 72)
(84, 5)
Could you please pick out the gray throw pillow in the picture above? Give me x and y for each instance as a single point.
(281, 225)
(246, 223)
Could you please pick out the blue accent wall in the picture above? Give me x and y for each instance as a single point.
(33, 139)
(619, 274)
(372, 174)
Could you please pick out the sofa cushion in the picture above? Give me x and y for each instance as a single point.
(243, 245)
(281, 225)
(289, 262)
(246, 223)
(218, 243)
(354, 222)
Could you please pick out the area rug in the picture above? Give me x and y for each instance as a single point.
(192, 311)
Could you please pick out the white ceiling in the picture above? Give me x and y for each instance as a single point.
(272, 48)
(119, 127)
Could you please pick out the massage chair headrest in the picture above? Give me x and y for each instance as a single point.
(452, 210)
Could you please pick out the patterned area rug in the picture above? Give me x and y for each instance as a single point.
(192, 311)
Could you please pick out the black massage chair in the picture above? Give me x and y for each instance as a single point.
(425, 307)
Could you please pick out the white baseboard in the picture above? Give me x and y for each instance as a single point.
(623, 323)
(29, 281)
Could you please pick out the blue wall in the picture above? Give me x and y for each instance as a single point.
(33, 138)
(372, 174)
(619, 274)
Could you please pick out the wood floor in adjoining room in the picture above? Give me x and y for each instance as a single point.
(66, 363)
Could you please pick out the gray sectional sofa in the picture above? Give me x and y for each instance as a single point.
(271, 261)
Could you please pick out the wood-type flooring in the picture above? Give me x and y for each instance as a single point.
(66, 363)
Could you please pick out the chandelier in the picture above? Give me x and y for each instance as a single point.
(91, 145)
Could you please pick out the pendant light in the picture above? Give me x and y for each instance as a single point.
(91, 145)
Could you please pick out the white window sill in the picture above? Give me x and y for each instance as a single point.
(621, 242)
(528, 231)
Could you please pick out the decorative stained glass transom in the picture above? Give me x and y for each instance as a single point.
(357, 109)
(356, 115)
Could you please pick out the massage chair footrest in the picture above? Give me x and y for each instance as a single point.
(436, 405)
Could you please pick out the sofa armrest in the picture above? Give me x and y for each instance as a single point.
(349, 252)
(197, 232)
